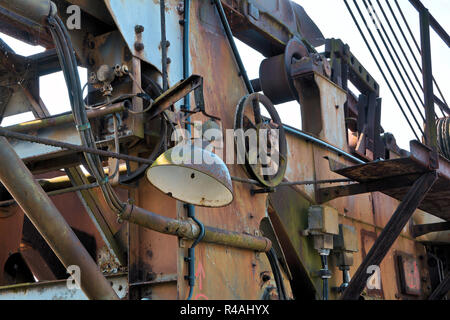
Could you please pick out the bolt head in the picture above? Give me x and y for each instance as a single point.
(139, 46)
(138, 28)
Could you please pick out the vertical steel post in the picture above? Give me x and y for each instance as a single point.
(41, 211)
(427, 73)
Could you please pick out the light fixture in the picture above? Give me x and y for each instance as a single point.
(193, 175)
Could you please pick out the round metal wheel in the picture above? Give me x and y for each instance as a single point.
(267, 160)
(275, 73)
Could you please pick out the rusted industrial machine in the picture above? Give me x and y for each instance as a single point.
(108, 201)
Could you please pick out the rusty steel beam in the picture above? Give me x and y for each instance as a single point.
(36, 11)
(38, 207)
(389, 234)
(422, 229)
(328, 194)
(441, 290)
(70, 146)
(66, 118)
(174, 94)
(190, 230)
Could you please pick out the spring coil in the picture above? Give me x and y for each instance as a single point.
(443, 136)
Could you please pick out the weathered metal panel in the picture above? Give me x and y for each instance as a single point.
(146, 14)
(57, 290)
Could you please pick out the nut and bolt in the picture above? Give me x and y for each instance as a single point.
(139, 46)
(138, 28)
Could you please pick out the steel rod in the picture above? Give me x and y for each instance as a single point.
(65, 118)
(26, 137)
(41, 211)
(55, 193)
(292, 183)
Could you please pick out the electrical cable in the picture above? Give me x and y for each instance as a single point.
(381, 70)
(69, 66)
(190, 208)
(273, 260)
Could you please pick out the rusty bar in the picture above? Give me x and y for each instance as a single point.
(37, 10)
(389, 234)
(56, 193)
(66, 118)
(190, 230)
(427, 73)
(38, 207)
(442, 289)
(70, 146)
(174, 94)
(422, 229)
(433, 22)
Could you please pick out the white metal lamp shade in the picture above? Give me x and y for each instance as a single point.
(192, 175)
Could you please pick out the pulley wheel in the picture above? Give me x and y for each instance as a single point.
(443, 135)
(275, 73)
(269, 166)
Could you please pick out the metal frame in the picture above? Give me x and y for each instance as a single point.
(389, 234)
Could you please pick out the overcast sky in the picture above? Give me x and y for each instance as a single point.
(333, 19)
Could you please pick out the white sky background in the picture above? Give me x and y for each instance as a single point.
(333, 19)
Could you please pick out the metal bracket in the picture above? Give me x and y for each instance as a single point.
(263, 190)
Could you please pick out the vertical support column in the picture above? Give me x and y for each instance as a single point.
(390, 233)
(430, 125)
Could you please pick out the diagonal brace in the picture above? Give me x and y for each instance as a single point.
(390, 233)
(441, 290)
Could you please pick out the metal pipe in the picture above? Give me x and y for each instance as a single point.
(66, 118)
(226, 26)
(190, 230)
(41, 211)
(36, 10)
(322, 144)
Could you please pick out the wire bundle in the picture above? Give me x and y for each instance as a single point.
(407, 89)
(69, 67)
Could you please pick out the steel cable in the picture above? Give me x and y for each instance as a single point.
(417, 46)
(397, 56)
(387, 65)
(381, 70)
(69, 66)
